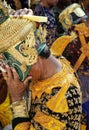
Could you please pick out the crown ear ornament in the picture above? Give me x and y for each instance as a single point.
(8, 7)
(41, 34)
(5, 9)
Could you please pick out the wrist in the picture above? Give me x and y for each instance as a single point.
(19, 109)
(16, 99)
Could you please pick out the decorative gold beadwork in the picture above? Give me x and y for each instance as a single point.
(27, 52)
(19, 109)
(3, 8)
(41, 34)
(14, 34)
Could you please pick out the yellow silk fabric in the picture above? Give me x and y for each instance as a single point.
(5, 112)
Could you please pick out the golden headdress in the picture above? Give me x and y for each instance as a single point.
(65, 17)
(18, 38)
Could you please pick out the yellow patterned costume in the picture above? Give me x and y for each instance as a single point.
(56, 101)
(53, 106)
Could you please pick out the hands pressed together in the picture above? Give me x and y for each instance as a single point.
(15, 86)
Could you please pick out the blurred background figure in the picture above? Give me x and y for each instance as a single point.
(33, 3)
(61, 5)
(18, 4)
(85, 5)
(25, 3)
(11, 3)
(27, 52)
(76, 50)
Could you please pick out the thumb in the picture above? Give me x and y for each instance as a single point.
(27, 81)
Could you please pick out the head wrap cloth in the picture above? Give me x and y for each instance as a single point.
(18, 37)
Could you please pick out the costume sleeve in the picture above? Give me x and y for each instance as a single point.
(21, 123)
(20, 115)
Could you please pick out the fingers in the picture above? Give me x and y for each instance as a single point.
(27, 81)
(2, 69)
(9, 73)
(15, 74)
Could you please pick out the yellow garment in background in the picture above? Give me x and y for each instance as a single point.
(5, 112)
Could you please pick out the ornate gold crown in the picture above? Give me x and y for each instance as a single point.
(18, 40)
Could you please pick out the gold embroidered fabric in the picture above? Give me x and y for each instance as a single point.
(5, 112)
(58, 99)
(48, 122)
(23, 126)
(50, 83)
(61, 43)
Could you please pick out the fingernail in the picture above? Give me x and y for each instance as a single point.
(6, 65)
(13, 69)
(3, 70)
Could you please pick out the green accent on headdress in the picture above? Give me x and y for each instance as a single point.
(3, 18)
(12, 62)
(21, 60)
(3, 13)
(41, 48)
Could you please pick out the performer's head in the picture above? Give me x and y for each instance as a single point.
(21, 41)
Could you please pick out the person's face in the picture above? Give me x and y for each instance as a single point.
(52, 2)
